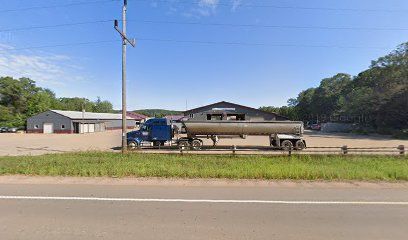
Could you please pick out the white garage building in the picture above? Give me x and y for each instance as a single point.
(58, 121)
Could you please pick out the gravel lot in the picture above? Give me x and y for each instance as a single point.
(35, 144)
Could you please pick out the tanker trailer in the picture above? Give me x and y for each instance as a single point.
(282, 134)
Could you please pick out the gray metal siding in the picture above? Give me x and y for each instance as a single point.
(116, 124)
(58, 120)
(49, 117)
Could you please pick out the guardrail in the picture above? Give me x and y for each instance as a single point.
(343, 150)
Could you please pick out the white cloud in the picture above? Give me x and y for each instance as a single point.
(49, 69)
(235, 4)
(203, 8)
(208, 3)
(200, 8)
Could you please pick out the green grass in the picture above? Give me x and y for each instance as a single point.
(302, 167)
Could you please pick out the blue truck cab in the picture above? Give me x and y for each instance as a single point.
(155, 130)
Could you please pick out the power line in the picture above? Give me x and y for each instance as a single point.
(218, 4)
(258, 44)
(271, 26)
(225, 43)
(56, 6)
(215, 24)
(60, 45)
(53, 26)
(281, 7)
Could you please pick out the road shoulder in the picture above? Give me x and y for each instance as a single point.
(20, 179)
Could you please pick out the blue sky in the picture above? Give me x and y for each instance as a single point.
(175, 62)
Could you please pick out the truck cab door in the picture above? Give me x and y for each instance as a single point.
(145, 132)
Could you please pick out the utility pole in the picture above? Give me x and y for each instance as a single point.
(125, 41)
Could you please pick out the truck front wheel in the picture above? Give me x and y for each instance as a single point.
(132, 145)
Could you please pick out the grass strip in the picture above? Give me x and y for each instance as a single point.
(298, 167)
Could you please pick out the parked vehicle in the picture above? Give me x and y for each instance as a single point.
(3, 129)
(12, 130)
(316, 126)
(282, 134)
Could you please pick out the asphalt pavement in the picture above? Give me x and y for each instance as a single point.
(50, 210)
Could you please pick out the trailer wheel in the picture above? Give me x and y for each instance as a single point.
(300, 145)
(184, 144)
(196, 144)
(132, 145)
(286, 145)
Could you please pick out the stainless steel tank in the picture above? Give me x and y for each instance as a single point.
(197, 128)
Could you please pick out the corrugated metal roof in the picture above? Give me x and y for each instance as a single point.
(175, 117)
(136, 116)
(89, 115)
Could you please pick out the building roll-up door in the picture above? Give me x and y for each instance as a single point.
(91, 128)
(86, 128)
(48, 128)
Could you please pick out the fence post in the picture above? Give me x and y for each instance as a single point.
(401, 149)
(344, 149)
(181, 150)
(234, 149)
(290, 151)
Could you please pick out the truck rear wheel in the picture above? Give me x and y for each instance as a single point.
(300, 145)
(184, 144)
(286, 145)
(196, 144)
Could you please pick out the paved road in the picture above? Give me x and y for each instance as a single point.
(201, 211)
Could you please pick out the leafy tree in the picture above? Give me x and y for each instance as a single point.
(379, 95)
(76, 104)
(6, 116)
(286, 111)
(102, 106)
(326, 98)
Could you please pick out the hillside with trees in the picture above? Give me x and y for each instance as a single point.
(21, 98)
(376, 99)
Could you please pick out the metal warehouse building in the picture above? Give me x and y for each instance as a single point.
(57, 121)
(231, 111)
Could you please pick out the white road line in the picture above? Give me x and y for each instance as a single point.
(200, 200)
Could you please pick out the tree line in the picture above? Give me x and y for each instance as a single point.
(376, 98)
(157, 112)
(21, 99)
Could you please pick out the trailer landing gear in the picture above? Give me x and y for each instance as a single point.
(215, 140)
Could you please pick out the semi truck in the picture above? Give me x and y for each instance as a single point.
(282, 134)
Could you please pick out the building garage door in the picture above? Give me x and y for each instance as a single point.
(85, 128)
(48, 128)
(91, 128)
